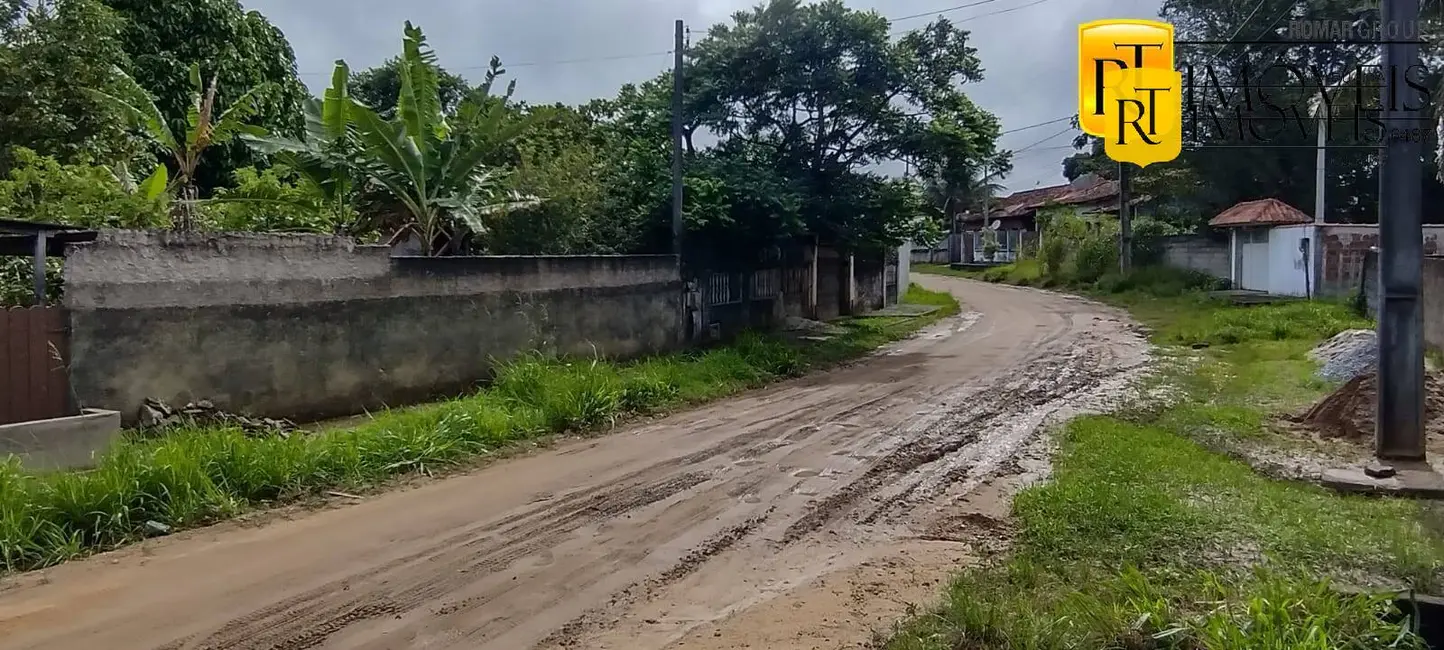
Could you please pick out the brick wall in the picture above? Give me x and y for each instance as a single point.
(1344, 249)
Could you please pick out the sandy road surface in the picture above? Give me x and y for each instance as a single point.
(798, 516)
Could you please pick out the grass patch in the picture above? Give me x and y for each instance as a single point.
(197, 476)
(1146, 539)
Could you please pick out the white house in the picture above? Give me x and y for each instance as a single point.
(1272, 247)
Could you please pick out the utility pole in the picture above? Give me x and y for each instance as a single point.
(1125, 217)
(677, 48)
(1400, 434)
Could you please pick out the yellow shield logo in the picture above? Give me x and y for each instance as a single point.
(1147, 108)
(1106, 46)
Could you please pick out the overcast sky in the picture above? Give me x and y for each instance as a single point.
(1028, 48)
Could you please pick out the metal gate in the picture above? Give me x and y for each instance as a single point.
(34, 377)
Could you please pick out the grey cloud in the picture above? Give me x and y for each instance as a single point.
(1028, 53)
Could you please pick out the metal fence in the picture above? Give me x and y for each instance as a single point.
(34, 382)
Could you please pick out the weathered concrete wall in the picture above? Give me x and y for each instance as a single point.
(1198, 253)
(309, 326)
(1433, 290)
(1344, 248)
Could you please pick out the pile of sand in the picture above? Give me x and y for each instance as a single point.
(1349, 411)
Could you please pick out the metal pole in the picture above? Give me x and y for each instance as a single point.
(1400, 434)
(677, 48)
(1125, 217)
(40, 238)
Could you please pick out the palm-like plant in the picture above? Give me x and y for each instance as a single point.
(322, 157)
(204, 128)
(433, 171)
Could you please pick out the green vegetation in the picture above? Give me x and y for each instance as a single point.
(410, 151)
(191, 477)
(1144, 538)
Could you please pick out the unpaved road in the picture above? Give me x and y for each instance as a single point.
(799, 516)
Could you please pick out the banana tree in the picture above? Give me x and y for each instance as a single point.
(435, 172)
(204, 128)
(322, 157)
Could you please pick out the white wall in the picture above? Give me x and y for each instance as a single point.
(1290, 274)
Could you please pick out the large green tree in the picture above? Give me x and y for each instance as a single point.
(240, 49)
(823, 93)
(54, 52)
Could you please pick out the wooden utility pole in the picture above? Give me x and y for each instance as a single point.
(1125, 217)
(677, 227)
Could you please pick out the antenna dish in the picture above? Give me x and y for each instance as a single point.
(996, 225)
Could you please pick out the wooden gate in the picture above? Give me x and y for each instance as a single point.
(34, 355)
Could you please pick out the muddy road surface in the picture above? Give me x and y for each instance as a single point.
(805, 515)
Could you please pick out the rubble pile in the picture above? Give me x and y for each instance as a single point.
(156, 414)
(1347, 356)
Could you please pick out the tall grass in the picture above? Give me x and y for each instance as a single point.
(196, 476)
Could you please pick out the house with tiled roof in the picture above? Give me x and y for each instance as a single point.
(1018, 211)
(1015, 217)
(1271, 247)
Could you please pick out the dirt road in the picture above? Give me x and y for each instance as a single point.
(800, 516)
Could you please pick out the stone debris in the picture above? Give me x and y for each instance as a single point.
(812, 327)
(1348, 355)
(156, 414)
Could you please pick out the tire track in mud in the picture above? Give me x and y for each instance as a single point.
(571, 632)
(510, 539)
(315, 610)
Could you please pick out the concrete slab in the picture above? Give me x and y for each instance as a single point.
(1408, 480)
(61, 443)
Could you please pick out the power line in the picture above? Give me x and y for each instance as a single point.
(1034, 126)
(529, 64)
(1242, 25)
(1034, 3)
(1035, 144)
(940, 11)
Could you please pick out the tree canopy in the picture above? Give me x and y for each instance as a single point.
(239, 49)
(792, 112)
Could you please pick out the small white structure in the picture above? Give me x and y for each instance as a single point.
(1272, 247)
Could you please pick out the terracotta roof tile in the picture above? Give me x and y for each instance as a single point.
(1263, 212)
(1085, 189)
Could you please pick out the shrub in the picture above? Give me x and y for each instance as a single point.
(41, 189)
(271, 200)
(1097, 255)
(1053, 254)
(1148, 239)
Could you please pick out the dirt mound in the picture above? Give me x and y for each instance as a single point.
(1349, 411)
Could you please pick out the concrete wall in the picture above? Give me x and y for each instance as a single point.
(926, 255)
(1433, 290)
(310, 326)
(1343, 249)
(1198, 253)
